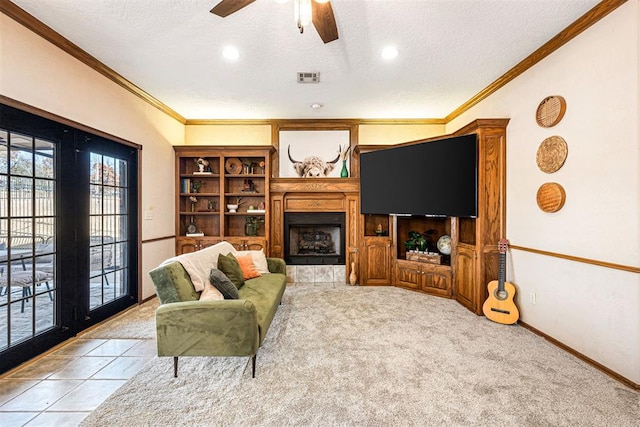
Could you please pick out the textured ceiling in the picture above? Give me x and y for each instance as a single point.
(449, 51)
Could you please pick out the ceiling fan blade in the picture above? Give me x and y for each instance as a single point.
(324, 21)
(227, 7)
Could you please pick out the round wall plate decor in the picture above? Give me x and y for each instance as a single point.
(550, 197)
(552, 153)
(550, 111)
(233, 165)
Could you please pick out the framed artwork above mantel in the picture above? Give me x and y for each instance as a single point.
(313, 150)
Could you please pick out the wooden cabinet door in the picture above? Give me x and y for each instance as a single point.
(436, 280)
(408, 274)
(464, 278)
(376, 268)
(187, 245)
(249, 243)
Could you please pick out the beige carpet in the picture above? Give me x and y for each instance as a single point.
(356, 356)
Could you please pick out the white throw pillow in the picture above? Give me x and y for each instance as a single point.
(210, 293)
(259, 260)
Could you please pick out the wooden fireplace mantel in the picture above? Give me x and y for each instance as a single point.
(315, 185)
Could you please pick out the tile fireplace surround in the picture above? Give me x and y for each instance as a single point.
(316, 274)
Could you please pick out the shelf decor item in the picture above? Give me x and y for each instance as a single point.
(416, 241)
(344, 173)
(251, 225)
(233, 165)
(195, 186)
(444, 244)
(192, 228)
(550, 197)
(203, 166)
(344, 154)
(550, 111)
(353, 277)
(551, 154)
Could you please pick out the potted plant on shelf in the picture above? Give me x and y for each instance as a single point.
(251, 225)
(195, 186)
(416, 241)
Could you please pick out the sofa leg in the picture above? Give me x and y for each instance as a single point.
(253, 366)
(175, 367)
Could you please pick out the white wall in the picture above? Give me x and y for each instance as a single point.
(39, 74)
(592, 309)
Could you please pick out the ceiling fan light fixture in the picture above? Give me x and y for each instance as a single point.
(302, 13)
(389, 52)
(231, 53)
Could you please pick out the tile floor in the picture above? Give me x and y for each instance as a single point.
(63, 387)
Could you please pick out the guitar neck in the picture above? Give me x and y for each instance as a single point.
(501, 271)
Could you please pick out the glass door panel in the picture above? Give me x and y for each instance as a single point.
(28, 303)
(109, 216)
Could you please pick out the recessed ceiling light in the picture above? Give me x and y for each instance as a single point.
(389, 52)
(316, 105)
(231, 53)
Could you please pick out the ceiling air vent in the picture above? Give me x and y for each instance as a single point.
(308, 77)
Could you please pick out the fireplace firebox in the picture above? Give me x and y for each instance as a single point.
(316, 238)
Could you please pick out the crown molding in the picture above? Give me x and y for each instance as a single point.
(231, 122)
(598, 12)
(218, 122)
(30, 22)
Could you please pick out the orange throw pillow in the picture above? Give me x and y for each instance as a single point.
(248, 267)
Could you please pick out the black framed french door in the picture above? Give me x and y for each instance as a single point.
(68, 232)
(107, 193)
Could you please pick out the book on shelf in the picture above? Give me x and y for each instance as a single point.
(203, 173)
(185, 185)
(256, 211)
(195, 234)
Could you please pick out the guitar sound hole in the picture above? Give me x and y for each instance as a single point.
(501, 295)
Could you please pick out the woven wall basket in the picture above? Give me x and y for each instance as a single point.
(550, 197)
(550, 111)
(552, 154)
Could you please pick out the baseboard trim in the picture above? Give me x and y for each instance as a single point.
(149, 298)
(599, 366)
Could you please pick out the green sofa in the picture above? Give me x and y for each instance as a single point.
(186, 326)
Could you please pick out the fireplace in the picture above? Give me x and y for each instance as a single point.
(316, 238)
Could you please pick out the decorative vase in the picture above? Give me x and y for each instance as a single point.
(344, 173)
(250, 228)
(353, 277)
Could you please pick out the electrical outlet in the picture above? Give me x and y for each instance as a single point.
(532, 297)
(148, 215)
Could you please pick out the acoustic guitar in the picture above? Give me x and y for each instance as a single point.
(499, 306)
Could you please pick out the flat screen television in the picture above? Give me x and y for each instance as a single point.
(434, 178)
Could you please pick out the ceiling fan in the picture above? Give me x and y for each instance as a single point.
(317, 11)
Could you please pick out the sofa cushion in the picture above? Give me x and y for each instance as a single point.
(199, 264)
(223, 284)
(259, 259)
(173, 284)
(248, 268)
(265, 292)
(228, 264)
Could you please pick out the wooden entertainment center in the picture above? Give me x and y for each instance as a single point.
(474, 258)
(373, 243)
